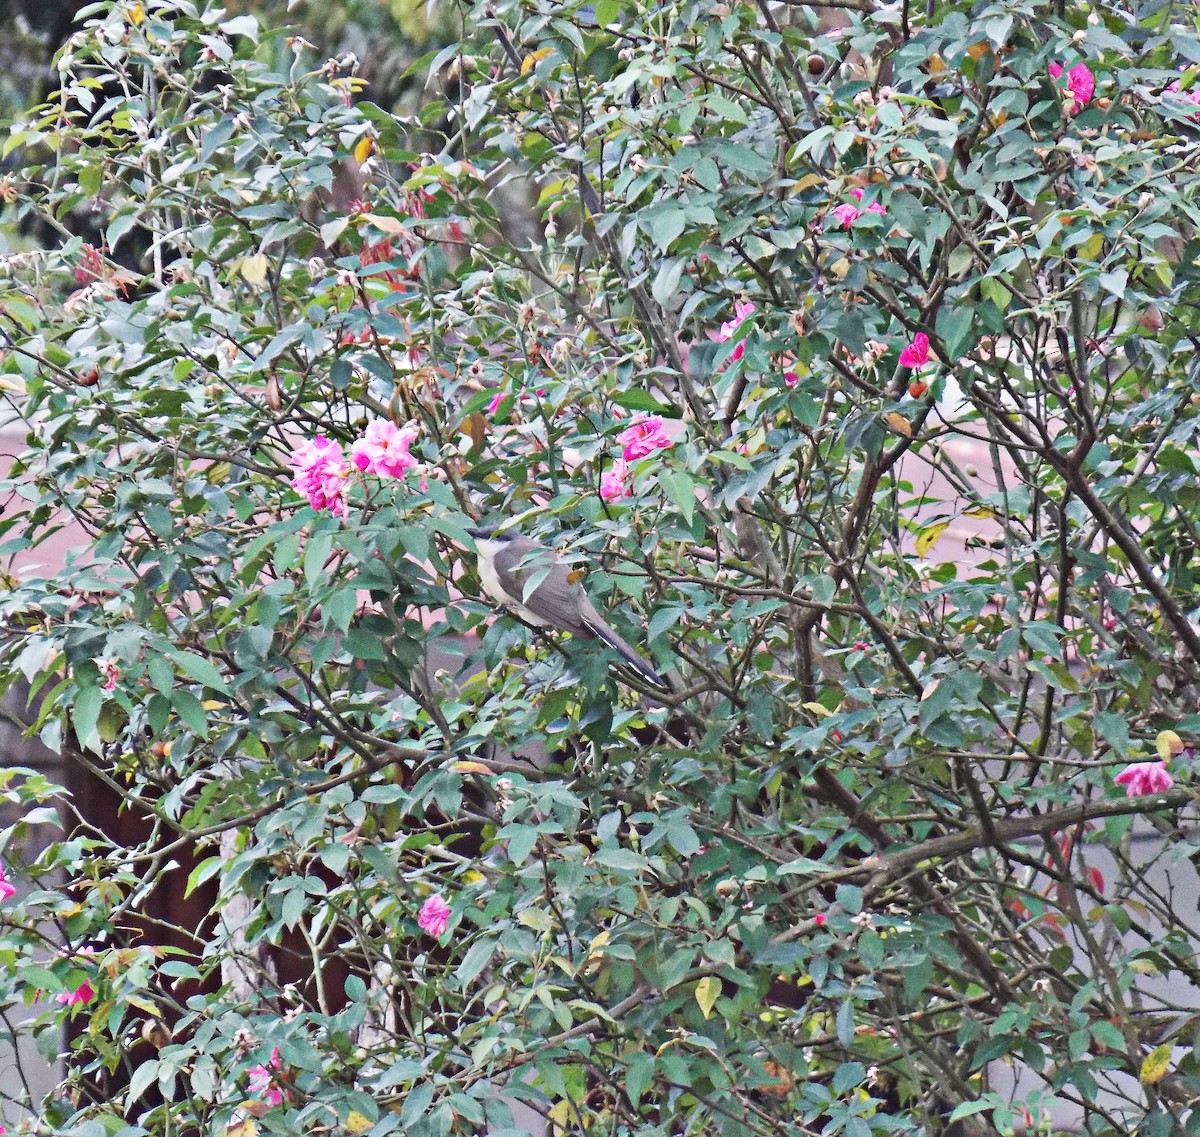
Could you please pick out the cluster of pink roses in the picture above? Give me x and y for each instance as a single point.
(847, 214)
(264, 1083)
(322, 473)
(642, 437)
(7, 888)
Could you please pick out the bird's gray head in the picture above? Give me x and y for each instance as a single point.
(490, 531)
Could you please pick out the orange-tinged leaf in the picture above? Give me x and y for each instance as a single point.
(781, 1083)
(928, 537)
(392, 226)
(137, 14)
(898, 423)
(1156, 1064)
(476, 426)
(1168, 744)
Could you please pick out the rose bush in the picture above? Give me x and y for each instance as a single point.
(608, 283)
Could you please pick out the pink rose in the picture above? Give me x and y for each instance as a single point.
(1192, 96)
(642, 437)
(791, 378)
(434, 915)
(1081, 85)
(1142, 778)
(262, 1082)
(917, 353)
(7, 888)
(846, 214)
(82, 994)
(874, 207)
(612, 481)
(321, 474)
(383, 449)
(741, 313)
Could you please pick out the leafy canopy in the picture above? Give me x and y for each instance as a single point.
(905, 301)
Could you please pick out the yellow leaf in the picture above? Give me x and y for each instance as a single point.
(1156, 1064)
(982, 511)
(707, 991)
(136, 15)
(1168, 744)
(1143, 967)
(469, 768)
(928, 536)
(363, 149)
(600, 942)
(531, 60)
(253, 269)
(357, 1122)
(898, 423)
(1090, 249)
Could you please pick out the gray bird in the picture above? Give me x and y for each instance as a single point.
(531, 581)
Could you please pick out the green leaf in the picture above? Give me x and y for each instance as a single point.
(635, 399)
(681, 490)
(639, 1073)
(607, 12)
(844, 1024)
(1114, 730)
(198, 668)
(85, 713)
(664, 224)
(190, 712)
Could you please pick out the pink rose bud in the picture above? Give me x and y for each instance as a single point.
(917, 353)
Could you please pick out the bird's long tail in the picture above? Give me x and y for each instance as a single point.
(603, 632)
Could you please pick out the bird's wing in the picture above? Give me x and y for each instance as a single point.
(545, 587)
